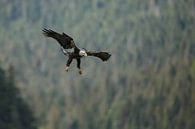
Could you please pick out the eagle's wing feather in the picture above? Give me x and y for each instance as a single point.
(104, 56)
(63, 39)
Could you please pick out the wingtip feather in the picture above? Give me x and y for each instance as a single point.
(47, 32)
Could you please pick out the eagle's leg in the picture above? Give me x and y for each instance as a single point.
(68, 63)
(79, 65)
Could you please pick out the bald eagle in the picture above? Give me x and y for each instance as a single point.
(67, 42)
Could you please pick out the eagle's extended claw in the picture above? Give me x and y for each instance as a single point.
(66, 68)
(80, 71)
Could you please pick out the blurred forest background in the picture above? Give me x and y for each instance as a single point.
(149, 82)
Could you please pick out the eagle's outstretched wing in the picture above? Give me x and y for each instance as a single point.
(104, 56)
(63, 39)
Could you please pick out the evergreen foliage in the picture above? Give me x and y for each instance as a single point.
(14, 112)
(149, 82)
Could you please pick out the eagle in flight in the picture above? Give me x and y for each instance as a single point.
(67, 42)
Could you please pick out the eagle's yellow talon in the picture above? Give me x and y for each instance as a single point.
(80, 71)
(66, 68)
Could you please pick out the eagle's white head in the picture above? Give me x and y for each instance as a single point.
(82, 52)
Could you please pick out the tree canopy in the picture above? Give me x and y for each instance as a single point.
(148, 83)
(15, 112)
